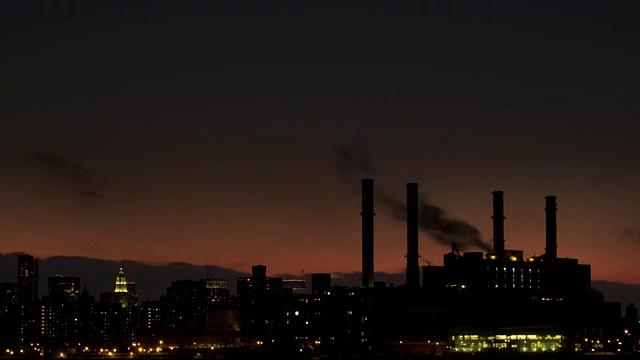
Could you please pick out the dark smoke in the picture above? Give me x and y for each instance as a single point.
(352, 166)
(433, 219)
(438, 224)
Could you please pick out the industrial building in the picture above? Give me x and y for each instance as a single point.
(493, 301)
(545, 277)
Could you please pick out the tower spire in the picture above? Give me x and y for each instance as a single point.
(121, 282)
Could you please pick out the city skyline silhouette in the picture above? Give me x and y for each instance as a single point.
(145, 131)
(497, 301)
(446, 177)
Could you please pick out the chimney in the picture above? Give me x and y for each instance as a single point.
(498, 223)
(551, 249)
(367, 233)
(413, 268)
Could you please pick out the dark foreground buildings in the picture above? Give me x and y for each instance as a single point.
(493, 301)
(497, 301)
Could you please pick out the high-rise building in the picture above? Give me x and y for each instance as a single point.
(125, 291)
(217, 283)
(217, 290)
(296, 286)
(27, 279)
(121, 282)
(259, 283)
(64, 289)
(132, 295)
(320, 283)
(8, 295)
(259, 277)
(188, 292)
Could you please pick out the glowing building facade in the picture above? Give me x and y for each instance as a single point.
(513, 339)
(121, 282)
(125, 291)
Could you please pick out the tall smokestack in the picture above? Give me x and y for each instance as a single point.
(498, 223)
(367, 233)
(413, 269)
(551, 249)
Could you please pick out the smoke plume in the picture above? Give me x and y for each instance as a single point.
(352, 166)
(433, 219)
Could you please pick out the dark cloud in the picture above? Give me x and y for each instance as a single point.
(74, 173)
(633, 233)
(90, 194)
(433, 219)
(73, 170)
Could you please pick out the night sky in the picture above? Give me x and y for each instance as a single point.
(213, 132)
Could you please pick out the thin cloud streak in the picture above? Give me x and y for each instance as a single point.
(75, 173)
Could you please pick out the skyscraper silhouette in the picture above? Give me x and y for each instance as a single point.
(27, 279)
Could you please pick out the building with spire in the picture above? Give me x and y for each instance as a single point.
(121, 282)
(125, 291)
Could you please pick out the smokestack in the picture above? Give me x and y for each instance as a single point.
(367, 233)
(413, 268)
(551, 249)
(498, 223)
